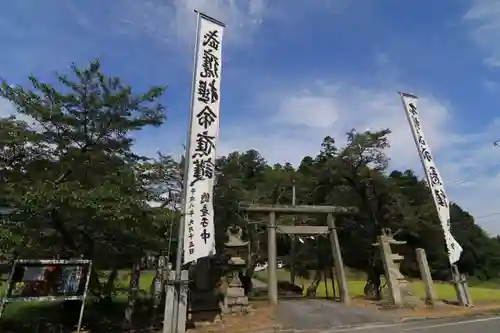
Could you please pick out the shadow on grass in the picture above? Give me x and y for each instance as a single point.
(103, 316)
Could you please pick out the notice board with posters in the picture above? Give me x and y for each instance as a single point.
(32, 280)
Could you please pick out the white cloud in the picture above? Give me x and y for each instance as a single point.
(6, 108)
(175, 20)
(491, 85)
(303, 117)
(484, 18)
(308, 115)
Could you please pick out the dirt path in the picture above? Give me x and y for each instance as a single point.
(311, 314)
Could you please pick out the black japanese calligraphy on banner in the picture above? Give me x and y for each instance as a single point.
(416, 123)
(190, 218)
(426, 154)
(205, 198)
(205, 235)
(207, 92)
(192, 198)
(434, 180)
(210, 65)
(206, 117)
(203, 169)
(421, 140)
(412, 109)
(190, 229)
(434, 176)
(199, 234)
(441, 198)
(211, 39)
(205, 143)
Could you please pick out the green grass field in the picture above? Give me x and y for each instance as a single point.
(480, 292)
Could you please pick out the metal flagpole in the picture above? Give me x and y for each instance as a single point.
(182, 222)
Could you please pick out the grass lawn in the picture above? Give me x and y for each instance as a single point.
(480, 292)
(123, 280)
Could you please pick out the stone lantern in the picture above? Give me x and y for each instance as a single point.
(235, 299)
(398, 287)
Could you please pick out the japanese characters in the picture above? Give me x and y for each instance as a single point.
(204, 127)
(433, 178)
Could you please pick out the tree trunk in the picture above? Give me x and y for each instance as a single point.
(372, 288)
(109, 286)
(311, 290)
(135, 275)
(325, 281)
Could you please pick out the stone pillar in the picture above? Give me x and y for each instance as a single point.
(293, 242)
(168, 316)
(176, 296)
(425, 275)
(158, 281)
(182, 301)
(272, 280)
(461, 287)
(339, 263)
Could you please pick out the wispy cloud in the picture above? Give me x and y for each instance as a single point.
(484, 19)
(298, 119)
(6, 108)
(174, 21)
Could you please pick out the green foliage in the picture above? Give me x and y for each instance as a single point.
(353, 175)
(70, 173)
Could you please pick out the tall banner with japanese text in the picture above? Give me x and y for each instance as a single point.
(199, 240)
(434, 180)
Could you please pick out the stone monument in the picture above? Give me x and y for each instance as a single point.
(235, 300)
(399, 288)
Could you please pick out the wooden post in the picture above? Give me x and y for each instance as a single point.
(272, 281)
(337, 259)
(426, 277)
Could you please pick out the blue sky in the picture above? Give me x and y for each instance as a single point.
(293, 72)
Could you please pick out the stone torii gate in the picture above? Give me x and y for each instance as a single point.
(273, 229)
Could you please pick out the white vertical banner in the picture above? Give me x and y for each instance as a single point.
(434, 180)
(199, 240)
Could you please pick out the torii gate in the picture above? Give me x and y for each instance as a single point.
(273, 229)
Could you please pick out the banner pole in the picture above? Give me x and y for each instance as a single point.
(182, 222)
(460, 286)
